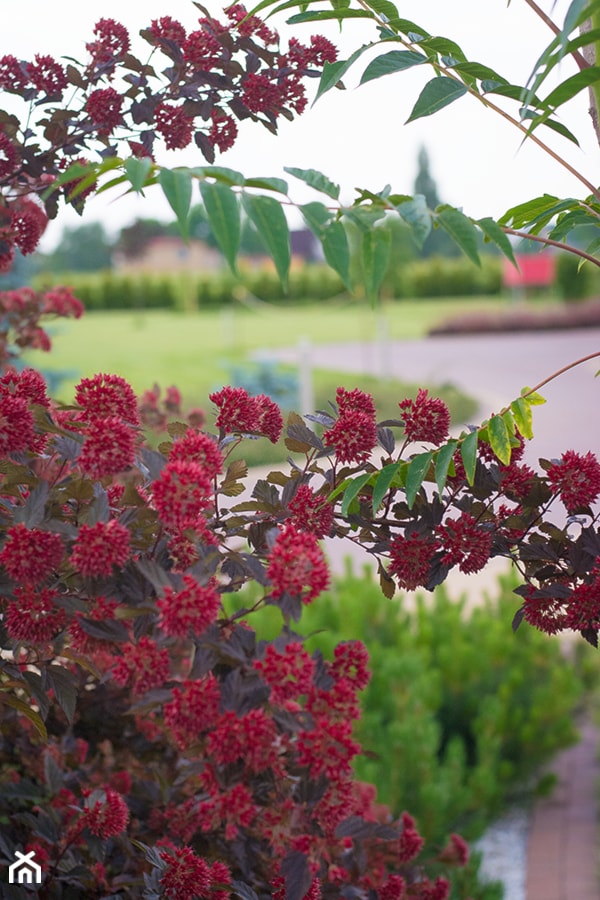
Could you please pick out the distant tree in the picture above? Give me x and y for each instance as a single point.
(438, 243)
(86, 248)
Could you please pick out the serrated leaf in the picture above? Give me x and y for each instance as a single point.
(461, 230)
(382, 484)
(442, 463)
(137, 170)
(389, 63)
(494, 233)
(416, 214)
(415, 475)
(269, 220)
(31, 714)
(177, 188)
(376, 248)
(468, 452)
(499, 439)
(521, 410)
(223, 212)
(520, 215)
(437, 93)
(353, 490)
(336, 250)
(316, 180)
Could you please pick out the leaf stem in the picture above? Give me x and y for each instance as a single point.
(561, 372)
(550, 243)
(579, 59)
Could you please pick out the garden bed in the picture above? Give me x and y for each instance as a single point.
(585, 314)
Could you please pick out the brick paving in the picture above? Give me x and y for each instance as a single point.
(563, 862)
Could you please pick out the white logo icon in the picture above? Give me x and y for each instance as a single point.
(24, 870)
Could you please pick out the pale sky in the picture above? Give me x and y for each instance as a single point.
(357, 137)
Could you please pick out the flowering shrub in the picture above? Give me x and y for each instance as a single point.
(216, 74)
(155, 745)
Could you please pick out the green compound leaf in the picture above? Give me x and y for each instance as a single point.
(336, 250)
(468, 452)
(521, 410)
(177, 188)
(316, 215)
(376, 247)
(415, 475)
(270, 222)
(494, 233)
(219, 173)
(268, 184)
(333, 72)
(461, 230)
(437, 93)
(316, 180)
(499, 439)
(223, 211)
(382, 484)
(394, 61)
(137, 171)
(442, 463)
(353, 490)
(416, 214)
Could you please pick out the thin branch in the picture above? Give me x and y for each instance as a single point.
(561, 372)
(579, 59)
(550, 243)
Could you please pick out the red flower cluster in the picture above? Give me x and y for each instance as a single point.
(249, 25)
(411, 559)
(583, 608)
(167, 29)
(142, 666)
(99, 547)
(181, 494)
(28, 222)
(354, 433)
(104, 109)
(464, 543)
(195, 446)
(239, 413)
(13, 74)
(201, 50)
(191, 609)
(33, 615)
(310, 512)
(297, 566)
(251, 738)
(193, 710)
(576, 478)
(425, 418)
(223, 131)
(544, 613)
(112, 42)
(174, 125)
(109, 447)
(288, 673)
(105, 396)
(186, 876)
(47, 75)
(8, 156)
(260, 94)
(107, 815)
(30, 555)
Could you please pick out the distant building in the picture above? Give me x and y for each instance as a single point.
(170, 254)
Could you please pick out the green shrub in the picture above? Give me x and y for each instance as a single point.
(460, 714)
(574, 281)
(441, 276)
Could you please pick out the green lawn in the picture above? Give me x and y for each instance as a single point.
(195, 350)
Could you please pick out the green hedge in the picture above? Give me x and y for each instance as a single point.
(437, 277)
(460, 713)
